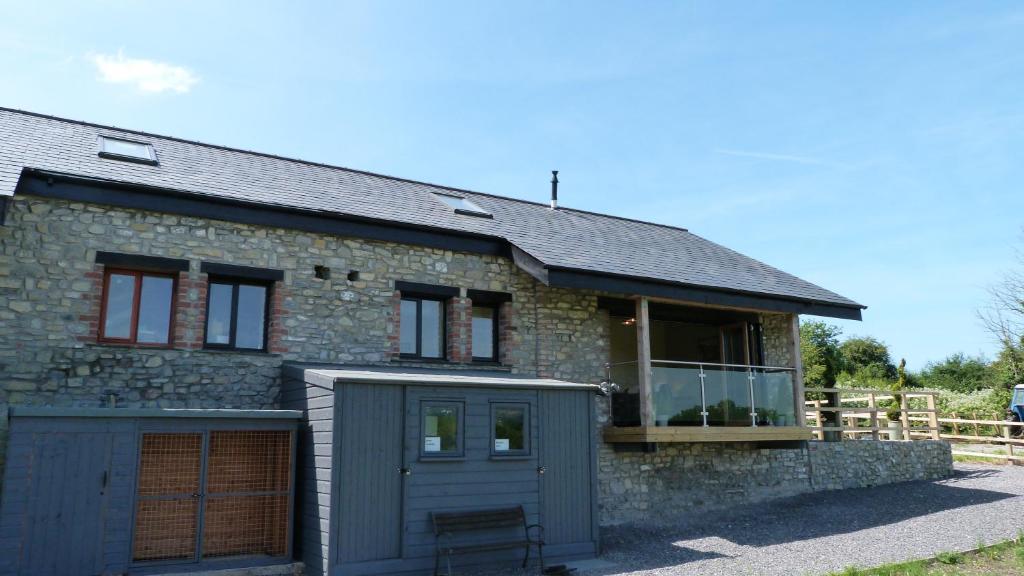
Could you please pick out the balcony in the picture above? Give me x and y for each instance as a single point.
(706, 402)
(713, 386)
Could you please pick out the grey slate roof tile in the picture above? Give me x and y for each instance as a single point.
(564, 238)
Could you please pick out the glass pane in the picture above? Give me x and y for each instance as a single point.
(218, 316)
(676, 394)
(120, 301)
(252, 306)
(432, 334)
(509, 424)
(461, 203)
(483, 332)
(126, 148)
(407, 322)
(728, 396)
(773, 398)
(440, 429)
(624, 371)
(155, 309)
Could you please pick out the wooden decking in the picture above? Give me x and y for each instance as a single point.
(645, 434)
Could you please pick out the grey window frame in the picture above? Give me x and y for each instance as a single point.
(418, 355)
(460, 429)
(526, 451)
(232, 335)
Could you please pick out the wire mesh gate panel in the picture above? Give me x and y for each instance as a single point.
(213, 494)
(166, 516)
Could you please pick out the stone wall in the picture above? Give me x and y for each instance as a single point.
(49, 305)
(778, 339)
(678, 480)
(840, 465)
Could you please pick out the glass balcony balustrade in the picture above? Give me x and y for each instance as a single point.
(705, 394)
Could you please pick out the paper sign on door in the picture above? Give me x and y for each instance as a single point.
(432, 444)
(501, 444)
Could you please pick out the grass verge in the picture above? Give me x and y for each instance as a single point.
(1004, 558)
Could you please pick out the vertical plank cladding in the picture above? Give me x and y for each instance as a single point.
(313, 477)
(64, 508)
(476, 481)
(566, 453)
(369, 459)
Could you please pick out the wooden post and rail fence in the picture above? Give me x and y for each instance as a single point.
(859, 413)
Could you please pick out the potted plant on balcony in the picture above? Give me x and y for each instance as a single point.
(895, 410)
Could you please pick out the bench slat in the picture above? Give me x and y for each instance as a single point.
(449, 523)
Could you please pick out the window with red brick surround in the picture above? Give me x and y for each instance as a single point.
(137, 308)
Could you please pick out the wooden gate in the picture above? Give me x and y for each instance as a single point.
(62, 524)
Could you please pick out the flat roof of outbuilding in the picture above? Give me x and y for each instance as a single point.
(330, 375)
(218, 413)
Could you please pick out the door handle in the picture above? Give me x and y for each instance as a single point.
(404, 471)
(541, 470)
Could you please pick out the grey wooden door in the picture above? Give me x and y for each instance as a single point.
(370, 482)
(68, 495)
(566, 487)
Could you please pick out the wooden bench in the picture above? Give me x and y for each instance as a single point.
(449, 526)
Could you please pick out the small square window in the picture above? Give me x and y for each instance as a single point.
(441, 431)
(510, 429)
(236, 315)
(130, 150)
(463, 205)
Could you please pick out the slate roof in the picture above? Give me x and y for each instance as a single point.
(563, 238)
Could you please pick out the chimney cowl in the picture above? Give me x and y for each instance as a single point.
(554, 189)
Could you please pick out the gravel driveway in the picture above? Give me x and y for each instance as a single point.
(824, 532)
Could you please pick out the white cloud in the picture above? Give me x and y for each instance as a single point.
(145, 75)
(776, 157)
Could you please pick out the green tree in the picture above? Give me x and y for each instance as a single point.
(819, 348)
(867, 357)
(960, 373)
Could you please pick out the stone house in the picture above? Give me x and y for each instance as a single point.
(181, 303)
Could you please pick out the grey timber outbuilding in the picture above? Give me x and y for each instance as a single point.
(381, 449)
(91, 491)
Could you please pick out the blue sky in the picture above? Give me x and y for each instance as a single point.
(871, 147)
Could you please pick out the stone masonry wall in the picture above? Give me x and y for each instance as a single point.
(778, 339)
(678, 480)
(841, 465)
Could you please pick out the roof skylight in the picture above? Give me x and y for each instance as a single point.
(463, 205)
(130, 150)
